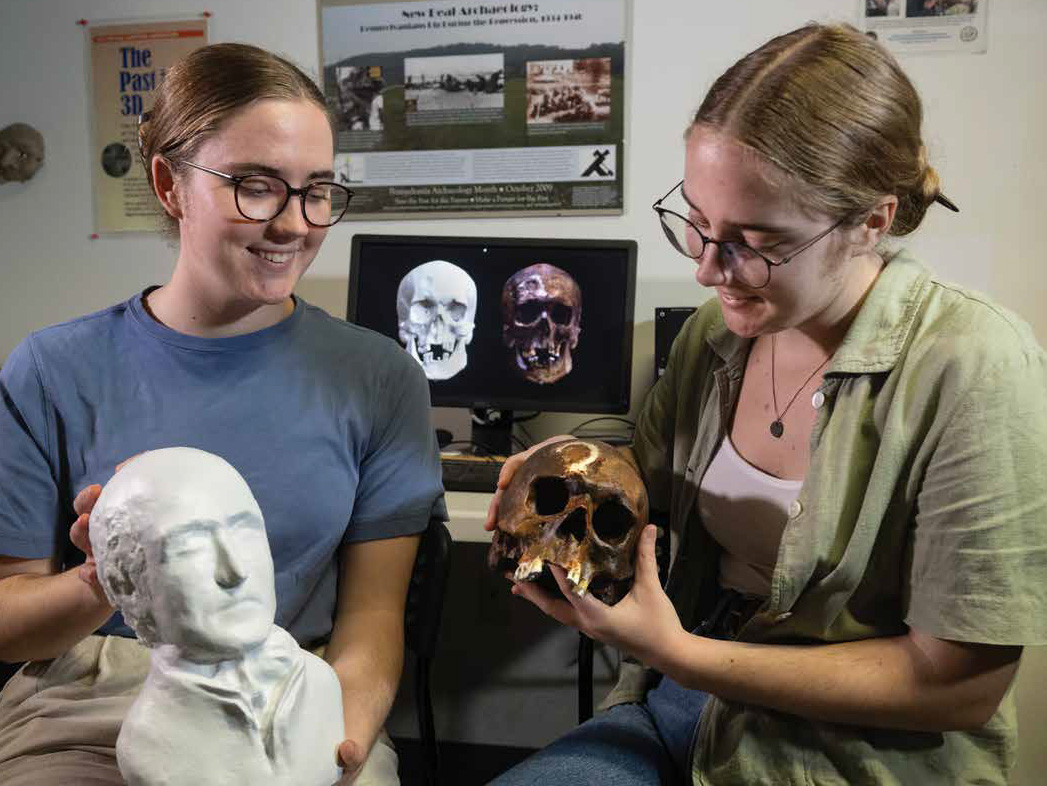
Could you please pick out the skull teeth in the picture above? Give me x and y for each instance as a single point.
(579, 583)
(574, 575)
(528, 568)
(540, 358)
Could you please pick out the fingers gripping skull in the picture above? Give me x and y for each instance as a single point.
(541, 321)
(436, 309)
(577, 504)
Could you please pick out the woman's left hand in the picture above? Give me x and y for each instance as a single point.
(644, 623)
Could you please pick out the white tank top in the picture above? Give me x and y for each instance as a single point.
(745, 510)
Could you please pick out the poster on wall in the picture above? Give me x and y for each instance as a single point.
(459, 108)
(126, 63)
(926, 25)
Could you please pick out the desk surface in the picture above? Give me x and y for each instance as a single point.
(467, 511)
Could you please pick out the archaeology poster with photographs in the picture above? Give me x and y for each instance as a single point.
(911, 26)
(455, 108)
(126, 63)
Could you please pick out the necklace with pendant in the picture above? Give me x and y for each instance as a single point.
(777, 427)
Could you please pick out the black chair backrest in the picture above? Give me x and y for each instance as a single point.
(425, 594)
(7, 670)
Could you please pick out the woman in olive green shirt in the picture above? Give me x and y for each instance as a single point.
(896, 428)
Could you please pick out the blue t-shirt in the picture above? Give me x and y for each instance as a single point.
(328, 422)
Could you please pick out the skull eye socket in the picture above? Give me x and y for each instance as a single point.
(423, 310)
(612, 521)
(550, 495)
(561, 314)
(530, 312)
(456, 310)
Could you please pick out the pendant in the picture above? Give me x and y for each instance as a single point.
(777, 429)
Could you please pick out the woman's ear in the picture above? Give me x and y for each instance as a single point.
(877, 224)
(165, 187)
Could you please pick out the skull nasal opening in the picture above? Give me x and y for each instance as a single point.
(573, 526)
(612, 521)
(550, 495)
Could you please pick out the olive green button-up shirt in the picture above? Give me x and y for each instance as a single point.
(924, 505)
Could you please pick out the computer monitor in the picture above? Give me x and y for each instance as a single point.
(501, 324)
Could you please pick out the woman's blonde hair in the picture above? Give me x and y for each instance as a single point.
(833, 109)
(204, 89)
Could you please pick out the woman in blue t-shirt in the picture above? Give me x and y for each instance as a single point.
(327, 422)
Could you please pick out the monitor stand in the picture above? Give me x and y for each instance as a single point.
(492, 431)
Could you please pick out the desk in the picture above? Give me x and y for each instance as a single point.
(467, 511)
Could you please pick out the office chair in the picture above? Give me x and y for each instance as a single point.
(425, 598)
(7, 671)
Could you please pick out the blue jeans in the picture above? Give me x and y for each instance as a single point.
(648, 742)
(629, 745)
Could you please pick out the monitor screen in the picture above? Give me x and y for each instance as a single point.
(504, 323)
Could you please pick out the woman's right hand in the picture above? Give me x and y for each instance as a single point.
(78, 533)
(509, 468)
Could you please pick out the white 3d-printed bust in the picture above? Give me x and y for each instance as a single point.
(230, 697)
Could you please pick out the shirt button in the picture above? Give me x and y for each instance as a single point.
(818, 399)
(795, 508)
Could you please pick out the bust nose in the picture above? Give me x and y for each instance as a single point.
(229, 572)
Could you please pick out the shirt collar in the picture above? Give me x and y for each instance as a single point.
(876, 338)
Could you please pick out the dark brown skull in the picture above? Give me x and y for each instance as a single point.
(541, 320)
(577, 504)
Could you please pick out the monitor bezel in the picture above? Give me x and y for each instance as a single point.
(508, 403)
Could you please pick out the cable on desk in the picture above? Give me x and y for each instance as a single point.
(585, 423)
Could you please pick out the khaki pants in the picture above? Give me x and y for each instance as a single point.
(59, 719)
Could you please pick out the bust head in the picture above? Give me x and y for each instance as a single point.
(181, 549)
(21, 152)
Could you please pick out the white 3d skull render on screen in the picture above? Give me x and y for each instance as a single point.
(541, 322)
(436, 309)
(230, 698)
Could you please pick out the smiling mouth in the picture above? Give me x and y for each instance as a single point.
(275, 257)
(737, 298)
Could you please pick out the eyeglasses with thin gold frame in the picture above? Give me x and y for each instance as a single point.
(751, 267)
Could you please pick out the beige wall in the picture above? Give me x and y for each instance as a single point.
(985, 126)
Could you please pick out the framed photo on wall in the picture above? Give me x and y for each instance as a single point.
(127, 60)
(452, 108)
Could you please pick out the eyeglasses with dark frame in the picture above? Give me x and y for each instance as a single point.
(263, 197)
(746, 264)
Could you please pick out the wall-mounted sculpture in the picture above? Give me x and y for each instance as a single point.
(230, 698)
(21, 152)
